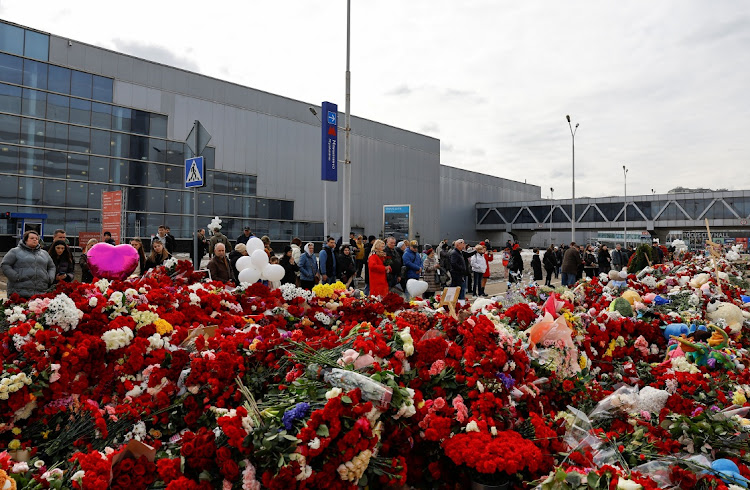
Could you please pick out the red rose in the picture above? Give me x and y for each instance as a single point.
(230, 470)
(223, 454)
(187, 449)
(568, 385)
(126, 465)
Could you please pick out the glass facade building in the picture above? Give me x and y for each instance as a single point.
(63, 141)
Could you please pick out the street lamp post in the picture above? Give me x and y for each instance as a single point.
(573, 207)
(345, 219)
(625, 211)
(551, 208)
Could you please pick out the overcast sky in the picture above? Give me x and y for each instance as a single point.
(660, 86)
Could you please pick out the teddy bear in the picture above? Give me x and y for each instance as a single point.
(6, 482)
(732, 315)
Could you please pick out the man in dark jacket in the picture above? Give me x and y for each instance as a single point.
(246, 235)
(558, 259)
(618, 258)
(327, 258)
(458, 268)
(171, 244)
(200, 237)
(392, 254)
(28, 267)
(571, 261)
(219, 266)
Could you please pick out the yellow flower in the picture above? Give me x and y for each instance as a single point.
(739, 397)
(45, 434)
(163, 327)
(611, 348)
(14, 444)
(582, 362)
(16, 430)
(254, 345)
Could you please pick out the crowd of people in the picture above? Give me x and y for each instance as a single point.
(378, 266)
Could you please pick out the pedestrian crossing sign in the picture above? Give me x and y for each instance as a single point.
(194, 172)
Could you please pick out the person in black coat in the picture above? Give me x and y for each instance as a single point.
(240, 250)
(458, 268)
(536, 265)
(64, 263)
(290, 268)
(550, 263)
(346, 266)
(516, 264)
(605, 260)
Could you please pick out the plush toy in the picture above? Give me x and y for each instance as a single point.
(699, 280)
(732, 315)
(632, 297)
(709, 353)
(6, 482)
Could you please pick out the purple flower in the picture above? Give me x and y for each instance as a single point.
(711, 362)
(507, 380)
(697, 412)
(297, 412)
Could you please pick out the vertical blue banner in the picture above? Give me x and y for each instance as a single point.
(329, 133)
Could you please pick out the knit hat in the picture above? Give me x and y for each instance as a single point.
(428, 251)
(287, 249)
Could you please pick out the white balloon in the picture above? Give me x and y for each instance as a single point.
(416, 287)
(254, 244)
(260, 259)
(249, 275)
(244, 262)
(273, 272)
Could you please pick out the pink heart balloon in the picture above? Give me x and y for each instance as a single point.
(112, 262)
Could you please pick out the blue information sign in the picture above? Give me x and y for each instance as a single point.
(194, 172)
(329, 138)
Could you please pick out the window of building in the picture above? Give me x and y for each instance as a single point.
(11, 69)
(176, 152)
(101, 115)
(136, 198)
(158, 125)
(99, 169)
(58, 107)
(138, 173)
(77, 194)
(36, 45)
(740, 204)
(121, 120)
(509, 213)
(205, 201)
(33, 103)
(139, 122)
(35, 74)
(525, 217)
(592, 216)
(610, 209)
(221, 205)
(95, 195)
(118, 172)
(8, 189)
(8, 158)
(10, 99)
(154, 200)
(56, 136)
(102, 88)
(80, 111)
(55, 164)
(54, 193)
(101, 143)
(672, 213)
(11, 39)
(120, 145)
(157, 150)
(174, 178)
(156, 175)
(719, 211)
(31, 161)
(80, 84)
(79, 139)
(10, 128)
(30, 191)
(139, 147)
(58, 79)
(32, 132)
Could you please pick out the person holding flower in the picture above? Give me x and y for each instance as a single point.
(158, 255)
(28, 267)
(64, 263)
(308, 267)
(378, 269)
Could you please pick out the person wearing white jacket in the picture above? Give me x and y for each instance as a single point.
(478, 268)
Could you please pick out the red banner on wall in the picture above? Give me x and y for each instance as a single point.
(112, 214)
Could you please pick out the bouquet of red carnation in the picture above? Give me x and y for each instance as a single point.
(521, 313)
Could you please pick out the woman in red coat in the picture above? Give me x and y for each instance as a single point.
(378, 269)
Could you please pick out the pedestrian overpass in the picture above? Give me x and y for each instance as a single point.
(654, 214)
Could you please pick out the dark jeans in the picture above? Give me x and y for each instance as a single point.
(548, 282)
(307, 284)
(477, 289)
(568, 279)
